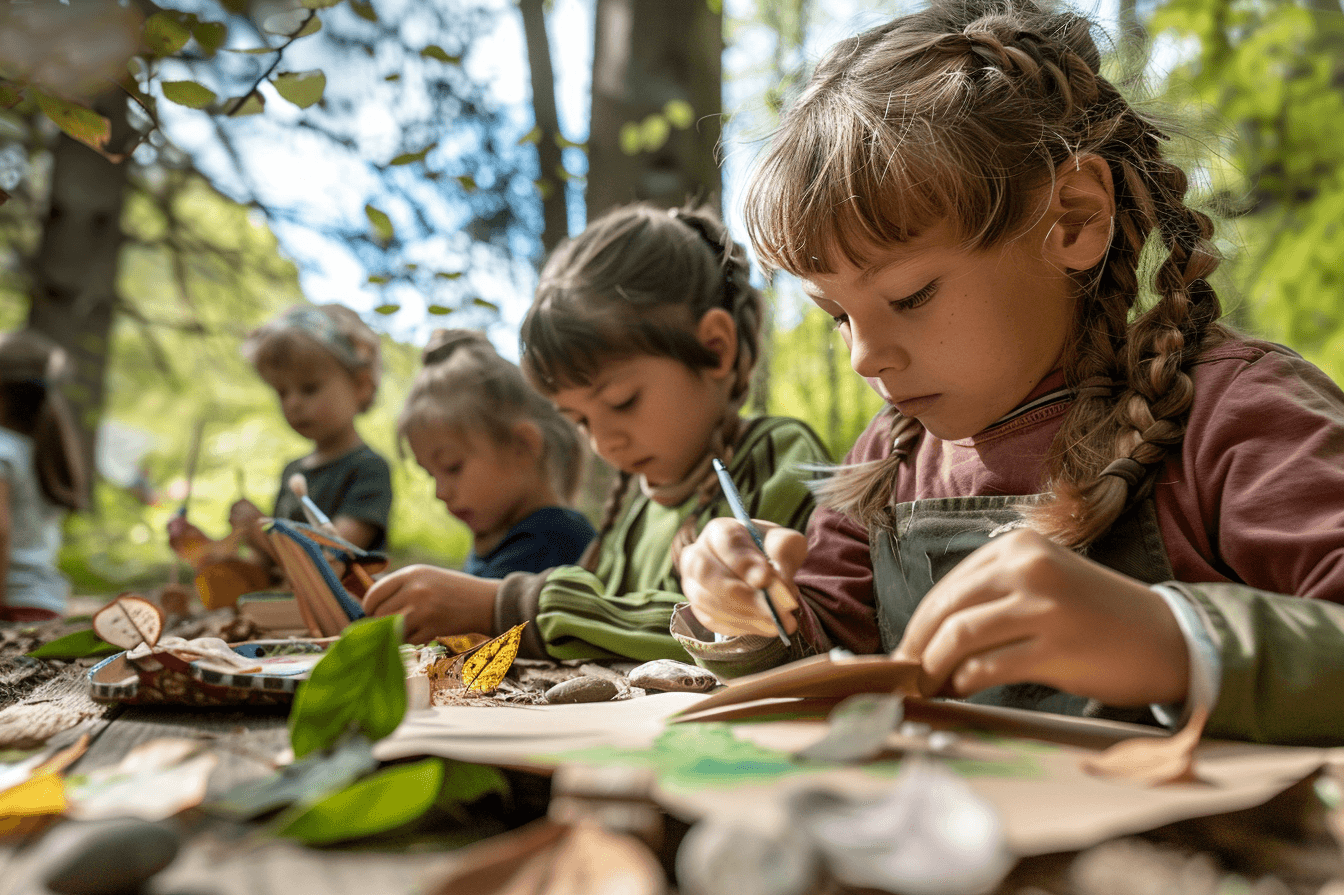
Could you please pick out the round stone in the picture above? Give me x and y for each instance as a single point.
(588, 688)
(107, 857)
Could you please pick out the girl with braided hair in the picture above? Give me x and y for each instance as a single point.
(644, 332)
(1085, 495)
(504, 462)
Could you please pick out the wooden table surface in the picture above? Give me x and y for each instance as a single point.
(1285, 846)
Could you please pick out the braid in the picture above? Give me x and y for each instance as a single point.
(740, 299)
(611, 508)
(864, 490)
(1111, 437)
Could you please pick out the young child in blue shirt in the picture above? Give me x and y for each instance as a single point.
(504, 461)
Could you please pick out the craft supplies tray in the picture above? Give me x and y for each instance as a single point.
(270, 675)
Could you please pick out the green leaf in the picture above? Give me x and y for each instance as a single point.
(482, 303)
(387, 309)
(363, 10)
(387, 800)
(305, 781)
(165, 33)
(210, 36)
(255, 104)
(382, 224)
(78, 645)
(447, 274)
(465, 783)
(319, 4)
(360, 683)
(568, 144)
(407, 158)
(531, 136)
(434, 51)
(467, 182)
(84, 125)
(10, 96)
(188, 93)
(439, 310)
(679, 113)
(380, 279)
(302, 88)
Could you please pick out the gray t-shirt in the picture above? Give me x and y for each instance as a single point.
(34, 530)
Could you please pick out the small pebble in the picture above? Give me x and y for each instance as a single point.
(582, 689)
(669, 674)
(109, 857)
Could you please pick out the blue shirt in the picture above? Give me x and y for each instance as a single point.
(550, 537)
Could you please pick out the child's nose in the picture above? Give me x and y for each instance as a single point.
(607, 441)
(871, 356)
(443, 491)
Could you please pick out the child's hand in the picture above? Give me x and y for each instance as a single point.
(436, 602)
(723, 572)
(244, 515)
(1023, 609)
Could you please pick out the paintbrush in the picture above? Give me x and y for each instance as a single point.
(318, 519)
(735, 501)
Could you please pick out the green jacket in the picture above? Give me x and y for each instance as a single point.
(624, 609)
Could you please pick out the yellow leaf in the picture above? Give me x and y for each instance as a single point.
(40, 794)
(486, 667)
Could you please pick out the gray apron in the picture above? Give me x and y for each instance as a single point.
(919, 542)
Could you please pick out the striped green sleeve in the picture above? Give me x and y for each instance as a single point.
(625, 610)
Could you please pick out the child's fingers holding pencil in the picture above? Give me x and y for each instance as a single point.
(723, 573)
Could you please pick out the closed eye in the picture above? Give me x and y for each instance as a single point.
(910, 302)
(627, 404)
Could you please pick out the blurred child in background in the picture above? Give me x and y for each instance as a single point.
(41, 476)
(504, 461)
(324, 364)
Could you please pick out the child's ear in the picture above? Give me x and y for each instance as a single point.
(1082, 208)
(717, 331)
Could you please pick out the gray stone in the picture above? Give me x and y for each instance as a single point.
(109, 857)
(582, 689)
(669, 674)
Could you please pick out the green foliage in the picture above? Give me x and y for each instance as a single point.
(810, 378)
(79, 645)
(377, 804)
(1269, 78)
(188, 93)
(301, 782)
(302, 88)
(359, 683)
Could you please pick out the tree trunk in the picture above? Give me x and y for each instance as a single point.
(551, 180)
(74, 275)
(647, 54)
